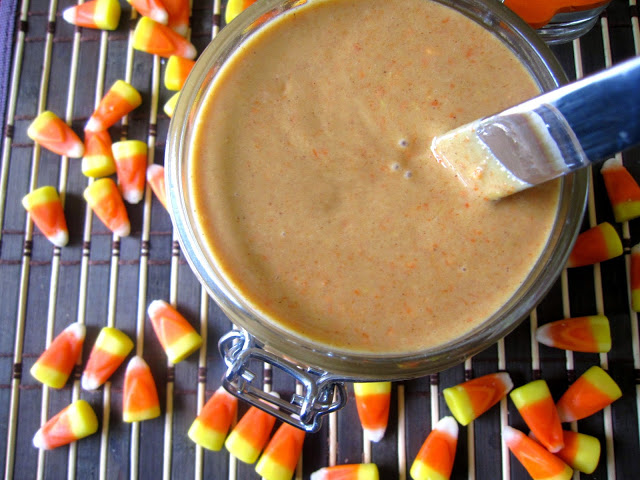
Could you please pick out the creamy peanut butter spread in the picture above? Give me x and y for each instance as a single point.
(316, 191)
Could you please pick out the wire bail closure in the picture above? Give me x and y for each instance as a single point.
(322, 393)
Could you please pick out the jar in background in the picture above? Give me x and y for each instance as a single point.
(559, 21)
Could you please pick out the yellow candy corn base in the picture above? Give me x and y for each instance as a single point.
(420, 471)
(206, 437)
(241, 449)
(184, 347)
(272, 470)
(48, 376)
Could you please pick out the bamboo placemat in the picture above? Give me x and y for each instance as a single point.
(103, 280)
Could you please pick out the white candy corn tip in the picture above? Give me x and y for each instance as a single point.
(510, 435)
(89, 382)
(59, 239)
(543, 335)
(39, 440)
(133, 196)
(154, 307)
(635, 249)
(159, 15)
(565, 416)
(319, 475)
(77, 329)
(181, 29)
(135, 363)
(447, 425)
(374, 434)
(94, 125)
(611, 164)
(77, 151)
(69, 15)
(153, 170)
(190, 52)
(506, 380)
(123, 230)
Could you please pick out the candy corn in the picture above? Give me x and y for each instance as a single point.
(140, 397)
(590, 393)
(539, 462)
(98, 158)
(622, 189)
(176, 72)
(50, 132)
(54, 366)
(281, 455)
(250, 435)
(100, 14)
(580, 334)
(72, 423)
(104, 199)
(210, 428)
(536, 406)
(597, 244)
(634, 277)
(178, 11)
(435, 458)
(45, 208)
(581, 452)
(372, 402)
(175, 333)
(157, 39)
(356, 471)
(235, 8)
(131, 165)
(152, 9)
(119, 100)
(170, 106)
(468, 400)
(109, 351)
(155, 178)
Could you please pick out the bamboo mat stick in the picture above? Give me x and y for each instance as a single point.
(26, 254)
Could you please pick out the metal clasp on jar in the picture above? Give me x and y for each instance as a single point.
(322, 393)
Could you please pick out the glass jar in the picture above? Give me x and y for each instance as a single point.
(321, 369)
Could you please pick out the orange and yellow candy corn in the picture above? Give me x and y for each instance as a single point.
(590, 393)
(155, 178)
(178, 11)
(72, 423)
(235, 8)
(634, 277)
(250, 435)
(55, 364)
(130, 157)
(597, 244)
(356, 471)
(435, 458)
(104, 199)
(372, 401)
(51, 132)
(209, 429)
(99, 14)
(581, 452)
(468, 400)
(140, 397)
(281, 455)
(157, 39)
(176, 72)
(170, 106)
(119, 100)
(536, 406)
(98, 158)
(152, 9)
(538, 461)
(109, 351)
(580, 334)
(622, 189)
(176, 335)
(45, 208)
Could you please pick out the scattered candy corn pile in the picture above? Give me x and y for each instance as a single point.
(548, 452)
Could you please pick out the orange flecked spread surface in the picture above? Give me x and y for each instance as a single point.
(315, 188)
